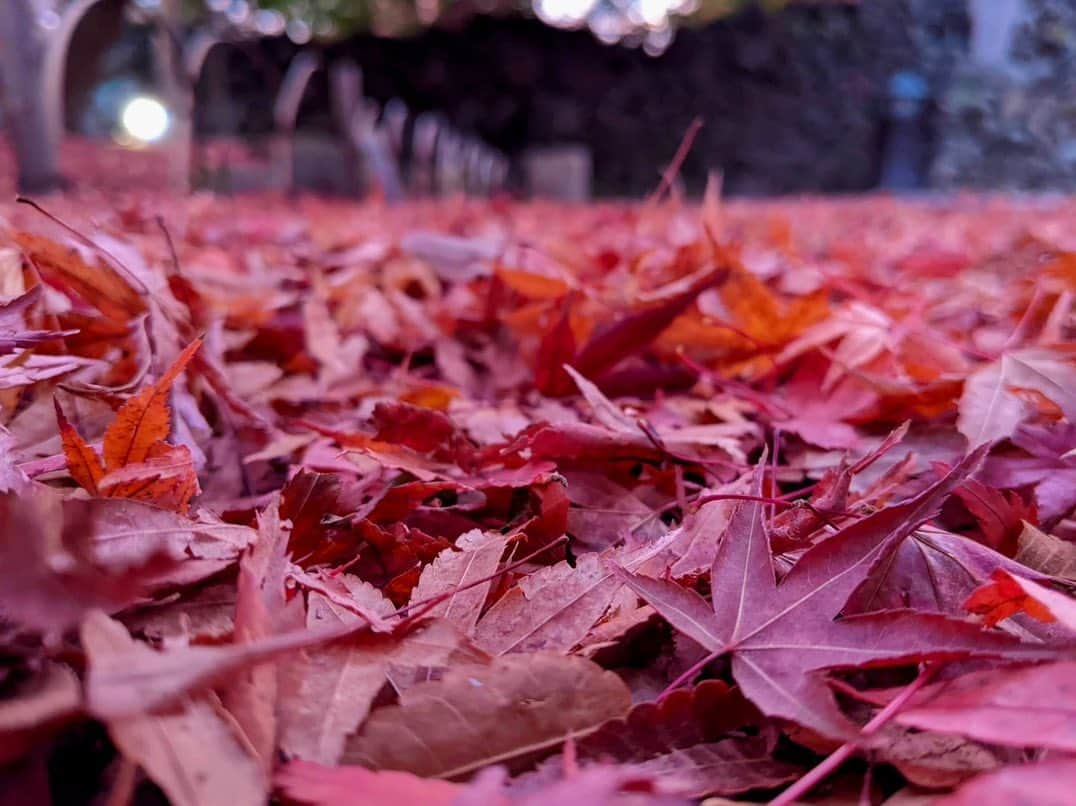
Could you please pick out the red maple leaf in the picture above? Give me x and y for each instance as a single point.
(781, 636)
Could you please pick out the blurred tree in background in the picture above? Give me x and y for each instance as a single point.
(35, 36)
(393, 18)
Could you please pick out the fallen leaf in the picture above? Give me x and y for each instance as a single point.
(517, 708)
(781, 636)
(1048, 783)
(728, 767)
(999, 514)
(307, 782)
(679, 739)
(166, 478)
(101, 285)
(1007, 594)
(25, 369)
(13, 334)
(994, 706)
(116, 687)
(1046, 554)
(609, 345)
(455, 572)
(60, 564)
(934, 571)
(328, 692)
(818, 415)
(686, 717)
(144, 420)
(550, 610)
(935, 760)
(251, 697)
(82, 461)
(991, 410)
(1049, 468)
(192, 752)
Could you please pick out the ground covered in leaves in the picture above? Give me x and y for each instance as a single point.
(484, 502)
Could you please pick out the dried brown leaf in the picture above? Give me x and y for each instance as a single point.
(517, 708)
(194, 751)
(1046, 554)
(475, 557)
(552, 609)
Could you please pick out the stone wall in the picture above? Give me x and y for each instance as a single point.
(1008, 118)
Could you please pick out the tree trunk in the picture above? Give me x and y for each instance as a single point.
(22, 55)
(176, 87)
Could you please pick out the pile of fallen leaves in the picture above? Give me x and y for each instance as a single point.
(496, 503)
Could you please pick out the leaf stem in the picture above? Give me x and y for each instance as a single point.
(846, 750)
(690, 673)
(669, 174)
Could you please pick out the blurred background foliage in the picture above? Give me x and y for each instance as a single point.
(647, 23)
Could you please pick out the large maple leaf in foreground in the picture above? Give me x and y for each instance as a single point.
(781, 636)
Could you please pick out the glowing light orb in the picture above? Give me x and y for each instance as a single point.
(145, 119)
(564, 13)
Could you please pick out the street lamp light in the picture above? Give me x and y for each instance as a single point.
(145, 119)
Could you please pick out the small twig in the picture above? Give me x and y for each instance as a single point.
(655, 438)
(171, 244)
(846, 750)
(669, 174)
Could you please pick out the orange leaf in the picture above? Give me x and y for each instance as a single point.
(144, 420)
(437, 396)
(166, 478)
(752, 305)
(704, 339)
(1004, 597)
(1063, 267)
(82, 461)
(526, 319)
(100, 285)
(760, 313)
(533, 285)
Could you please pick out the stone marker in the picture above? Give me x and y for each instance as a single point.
(424, 136)
(394, 122)
(345, 89)
(448, 163)
(286, 114)
(372, 143)
(558, 172)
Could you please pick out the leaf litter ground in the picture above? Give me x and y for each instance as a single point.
(490, 502)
